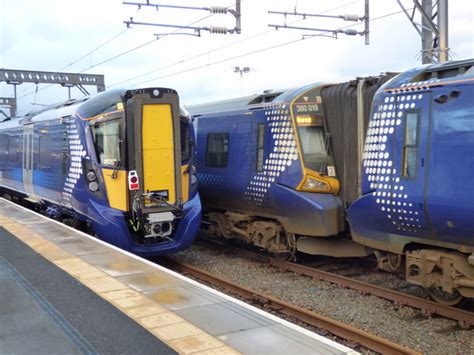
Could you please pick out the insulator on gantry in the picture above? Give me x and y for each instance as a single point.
(351, 17)
(218, 29)
(218, 10)
(350, 32)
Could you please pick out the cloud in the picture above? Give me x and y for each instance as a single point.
(54, 34)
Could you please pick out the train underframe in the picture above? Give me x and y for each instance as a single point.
(271, 235)
(448, 276)
(267, 234)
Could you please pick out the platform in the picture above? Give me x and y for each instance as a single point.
(63, 291)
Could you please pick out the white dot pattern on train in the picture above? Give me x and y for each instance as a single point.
(76, 153)
(283, 151)
(390, 194)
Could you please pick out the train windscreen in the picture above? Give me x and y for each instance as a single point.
(313, 142)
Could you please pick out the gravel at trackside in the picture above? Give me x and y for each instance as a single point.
(404, 326)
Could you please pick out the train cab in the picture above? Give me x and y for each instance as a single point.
(266, 172)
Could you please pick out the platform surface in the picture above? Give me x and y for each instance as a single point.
(63, 291)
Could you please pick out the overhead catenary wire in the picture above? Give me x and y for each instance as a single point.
(142, 45)
(118, 55)
(95, 49)
(185, 60)
(103, 44)
(216, 49)
(220, 61)
(248, 53)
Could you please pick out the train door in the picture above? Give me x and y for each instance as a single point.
(258, 181)
(410, 169)
(27, 161)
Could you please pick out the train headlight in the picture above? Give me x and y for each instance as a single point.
(91, 176)
(315, 184)
(93, 186)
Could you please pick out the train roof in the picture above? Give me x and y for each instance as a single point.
(85, 108)
(252, 101)
(88, 106)
(434, 73)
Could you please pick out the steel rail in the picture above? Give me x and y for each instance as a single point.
(464, 318)
(314, 319)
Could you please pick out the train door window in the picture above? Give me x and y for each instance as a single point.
(12, 151)
(410, 145)
(107, 138)
(185, 133)
(260, 145)
(217, 150)
(3, 148)
(45, 156)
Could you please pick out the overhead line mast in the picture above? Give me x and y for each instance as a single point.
(433, 29)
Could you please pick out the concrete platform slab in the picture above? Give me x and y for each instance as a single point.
(121, 303)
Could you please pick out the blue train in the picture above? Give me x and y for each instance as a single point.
(119, 163)
(417, 200)
(379, 165)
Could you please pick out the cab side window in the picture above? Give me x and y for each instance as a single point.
(217, 150)
(260, 146)
(107, 136)
(410, 145)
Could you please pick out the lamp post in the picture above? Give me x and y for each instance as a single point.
(241, 71)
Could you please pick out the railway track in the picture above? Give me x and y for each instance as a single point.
(464, 318)
(344, 331)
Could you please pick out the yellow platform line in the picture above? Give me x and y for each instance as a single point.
(178, 333)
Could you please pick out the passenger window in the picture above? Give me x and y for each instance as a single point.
(217, 150)
(260, 144)
(410, 145)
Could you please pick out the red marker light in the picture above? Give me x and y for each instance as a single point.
(133, 183)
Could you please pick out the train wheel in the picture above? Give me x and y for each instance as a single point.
(446, 298)
(284, 256)
(289, 254)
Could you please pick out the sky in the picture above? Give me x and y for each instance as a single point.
(89, 36)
